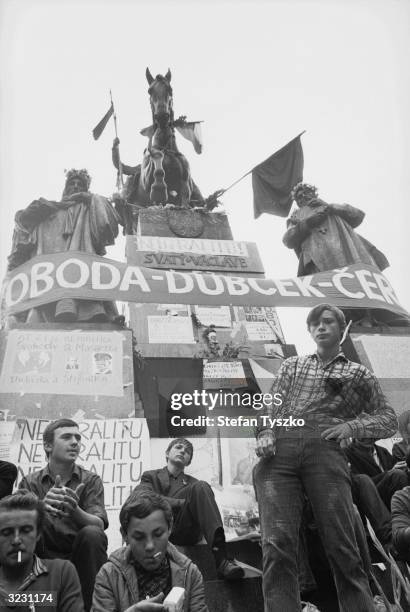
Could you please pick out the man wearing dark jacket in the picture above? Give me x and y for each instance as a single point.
(193, 505)
(367, 457)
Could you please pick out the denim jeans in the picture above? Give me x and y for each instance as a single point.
(307, 465)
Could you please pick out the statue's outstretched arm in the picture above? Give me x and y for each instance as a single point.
(128, 170)
(353, 216)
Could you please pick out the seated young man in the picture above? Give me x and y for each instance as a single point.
(138, 577)
(24, 578)
(74, 501)
(193, 505)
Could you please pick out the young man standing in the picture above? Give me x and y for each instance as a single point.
(26, 580)
(337, 399)
(193, 505)
(74, 501)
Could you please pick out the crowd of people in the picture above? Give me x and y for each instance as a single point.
(316, 487)
(53, 527)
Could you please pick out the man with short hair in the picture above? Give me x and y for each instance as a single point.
(23, 576)
(193, 505)
(139, 576)
(74, 501)
(337, 399)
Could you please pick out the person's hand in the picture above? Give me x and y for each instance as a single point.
(337, 432)
(61, 501)
(54, 498)
(72, 498)
(81, 196)
(116, 142)
(317, 218)
(154, 604)
(400, 465)
(266, 444)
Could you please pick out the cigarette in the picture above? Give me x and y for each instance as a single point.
(157, 554)
(19, 556)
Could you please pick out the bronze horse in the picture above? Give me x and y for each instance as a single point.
(164, 175)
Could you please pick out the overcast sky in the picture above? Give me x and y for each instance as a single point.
(257, 73)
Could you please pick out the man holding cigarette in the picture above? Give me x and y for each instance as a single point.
(26, 580)
(74, 502)
(149, 574)
(337, 399)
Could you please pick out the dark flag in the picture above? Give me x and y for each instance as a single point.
(100, 127)
(274, 179)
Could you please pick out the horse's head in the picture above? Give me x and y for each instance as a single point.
(160, 92)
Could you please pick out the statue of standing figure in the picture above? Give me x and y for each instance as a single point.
(81, 221)
(323, 235)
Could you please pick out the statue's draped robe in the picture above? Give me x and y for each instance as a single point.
(333, 243)
(53, 227)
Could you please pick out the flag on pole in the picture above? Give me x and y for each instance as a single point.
(100, 127)
(191, 130)
(274, 179)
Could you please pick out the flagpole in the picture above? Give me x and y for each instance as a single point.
(120, 180)
(236, 182)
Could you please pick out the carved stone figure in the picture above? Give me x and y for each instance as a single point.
(81, 221)
(164, 177)
(323, 234)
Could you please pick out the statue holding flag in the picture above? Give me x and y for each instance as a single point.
(164, 177)
(81, 221)
(323, 235)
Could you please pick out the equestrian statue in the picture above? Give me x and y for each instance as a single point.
(164, 177)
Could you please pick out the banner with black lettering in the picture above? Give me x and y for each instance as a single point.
(48, 278)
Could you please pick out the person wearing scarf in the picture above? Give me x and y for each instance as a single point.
(138, 576)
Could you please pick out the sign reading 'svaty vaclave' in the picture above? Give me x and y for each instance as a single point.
(48, 278)
(193, 254)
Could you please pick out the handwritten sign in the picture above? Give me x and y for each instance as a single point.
(259, 331)
(220, 316)
(170, 330)
(223, 374)
(118, 450)
(63, 362)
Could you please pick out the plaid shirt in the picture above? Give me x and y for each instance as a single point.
(325, 395)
